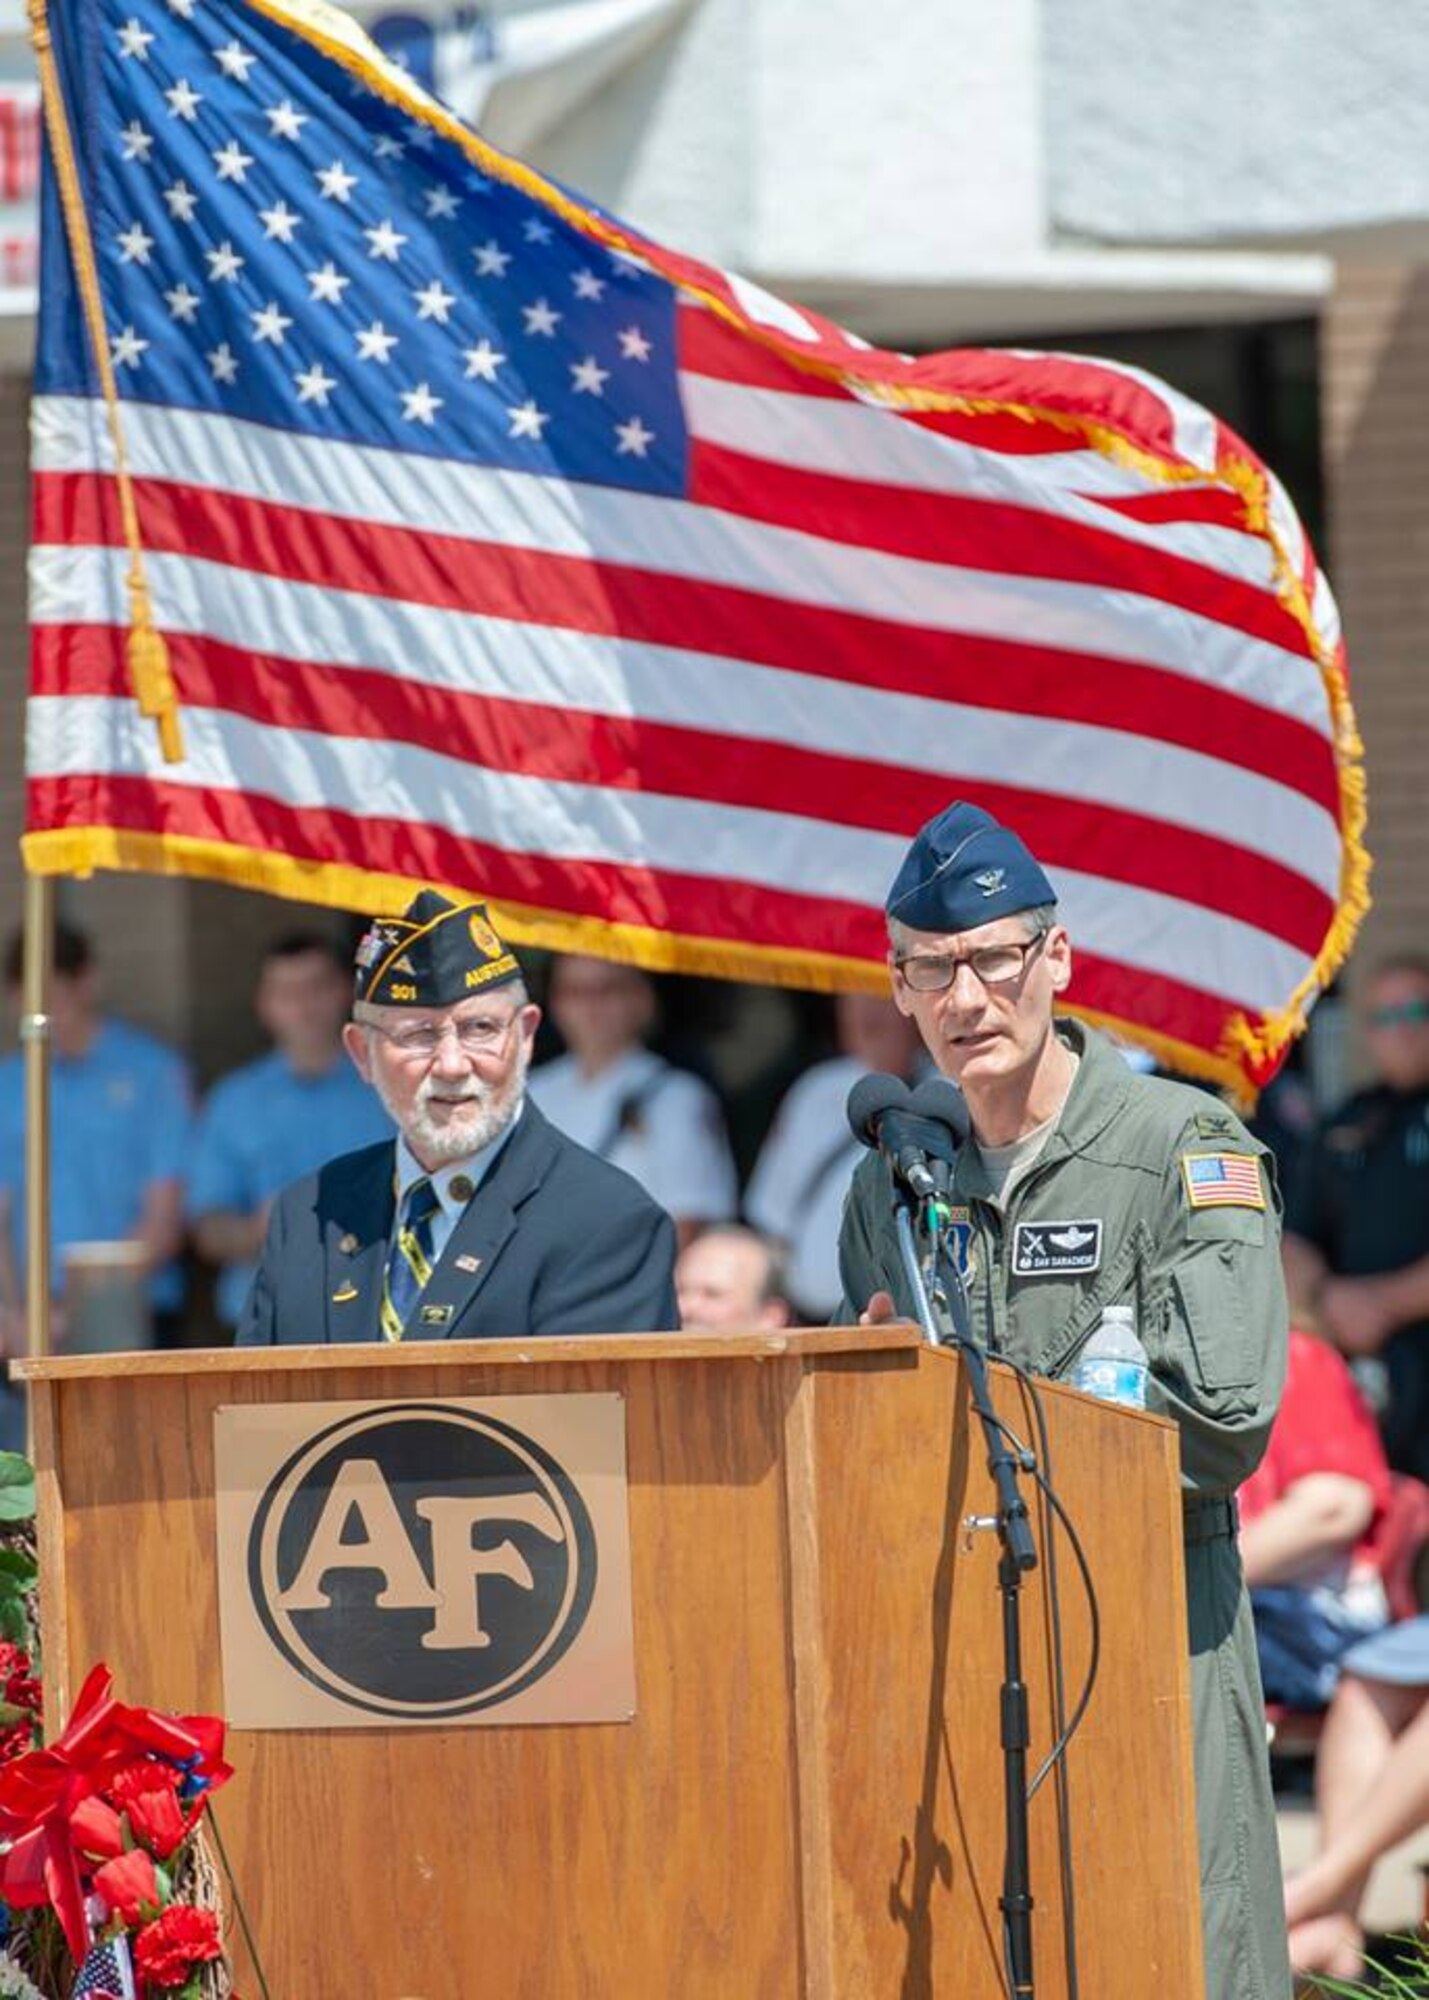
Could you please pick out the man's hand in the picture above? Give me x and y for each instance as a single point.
(1357, 1314)
(879, 1310)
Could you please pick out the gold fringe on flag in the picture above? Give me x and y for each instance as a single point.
(146, 650)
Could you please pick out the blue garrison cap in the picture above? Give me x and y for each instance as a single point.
(963, 870)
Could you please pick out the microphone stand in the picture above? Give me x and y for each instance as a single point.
(1019, 1555)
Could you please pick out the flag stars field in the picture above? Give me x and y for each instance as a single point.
(232, 162)
(181, 201)
(385, 241)
(541, 319)
(402, 259)
(183, 100)
(270, 324)
(284, 122)
(419, 405)
(482, 361)
(336, 182)
(528, 422)
(327, 285)
(375, 343)
(588, 378)
(134, 40)
(280, 223)
(235, 61)
(135, 245)
(127, 349)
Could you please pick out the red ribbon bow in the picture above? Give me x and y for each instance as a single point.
(44, 1793)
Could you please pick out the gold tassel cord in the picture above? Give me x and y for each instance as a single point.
(146, 651)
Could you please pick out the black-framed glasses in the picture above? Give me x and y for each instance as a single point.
(990, 965)
(418, 1041)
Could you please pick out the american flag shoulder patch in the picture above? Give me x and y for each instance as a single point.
(1223, 1180)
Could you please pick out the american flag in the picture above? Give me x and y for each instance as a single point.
(1223, 1180)
(106, 1973)
(499, 548)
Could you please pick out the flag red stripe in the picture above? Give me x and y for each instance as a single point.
(1213, 506)
(709, 346)
(980, 535)
(80, 510)
(537, 740)
(689, 905)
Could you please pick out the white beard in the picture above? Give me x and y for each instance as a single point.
(483, 1116)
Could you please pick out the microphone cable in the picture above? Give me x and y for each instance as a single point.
(1039, 1465)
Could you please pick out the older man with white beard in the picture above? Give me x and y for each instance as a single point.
(480, 1219)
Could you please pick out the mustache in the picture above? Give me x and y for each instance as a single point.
(467, 1093)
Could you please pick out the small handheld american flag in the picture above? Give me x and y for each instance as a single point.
(107, 1972)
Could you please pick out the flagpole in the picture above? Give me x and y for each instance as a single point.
(35, 1038)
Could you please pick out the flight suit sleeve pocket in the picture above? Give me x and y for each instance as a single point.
(1208, 1314)
(1226, 1225)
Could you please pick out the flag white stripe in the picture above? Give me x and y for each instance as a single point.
(852, 441)
(458, 652)
(677, 539)
(75, 736)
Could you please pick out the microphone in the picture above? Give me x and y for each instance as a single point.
(942, 1102)
(917, 1136)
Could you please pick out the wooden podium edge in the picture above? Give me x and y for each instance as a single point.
(494, 1352)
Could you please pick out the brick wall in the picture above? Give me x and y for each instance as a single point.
(1375, 397)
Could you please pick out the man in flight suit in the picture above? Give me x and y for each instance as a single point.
(1167, 1205)
(480, 1218)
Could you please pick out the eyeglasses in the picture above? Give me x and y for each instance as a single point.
(990, 965)
(418, 1041)
(1409, 1013)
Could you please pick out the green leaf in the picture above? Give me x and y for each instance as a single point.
(17, 1566)
(17, 1487)
(14, 1621)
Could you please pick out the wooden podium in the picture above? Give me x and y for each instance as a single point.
(807, 1801)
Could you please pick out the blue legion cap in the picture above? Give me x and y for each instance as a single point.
(435, 953)
(963, 870)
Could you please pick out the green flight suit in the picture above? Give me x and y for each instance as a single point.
(1205, 1282)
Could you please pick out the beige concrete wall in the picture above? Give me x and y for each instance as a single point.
(1375, 399)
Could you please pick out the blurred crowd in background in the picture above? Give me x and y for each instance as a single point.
(160, 1198)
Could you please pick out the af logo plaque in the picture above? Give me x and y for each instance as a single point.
(444, 1562)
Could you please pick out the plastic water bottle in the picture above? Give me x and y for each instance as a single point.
(1113, 1363)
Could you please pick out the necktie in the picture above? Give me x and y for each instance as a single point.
(409, 1262)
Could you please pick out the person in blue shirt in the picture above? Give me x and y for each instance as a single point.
(280, 1117)
(120, 1123)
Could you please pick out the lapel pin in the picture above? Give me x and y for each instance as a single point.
(468, 1263)
(436, 1315)
(462, 1189)
(344, 1292)
(347, 1244)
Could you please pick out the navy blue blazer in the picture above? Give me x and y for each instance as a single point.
(553, 1241)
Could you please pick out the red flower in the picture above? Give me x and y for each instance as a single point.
(96, 1830)
(17, 1677)
(147, 1792)
(129, 1885)
(166, 1951)
(19, 1690)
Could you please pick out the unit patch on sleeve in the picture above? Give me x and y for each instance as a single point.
(1223, 1180)
(1056, 1249)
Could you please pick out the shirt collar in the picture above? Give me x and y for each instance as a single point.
(474, 1169)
